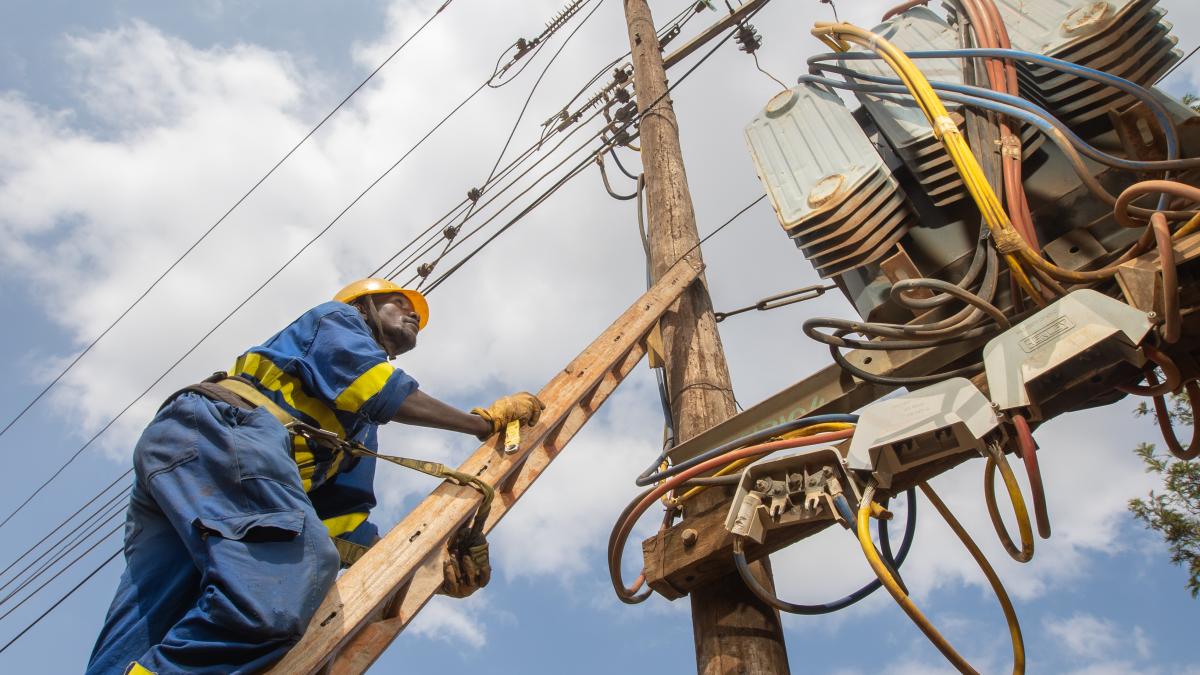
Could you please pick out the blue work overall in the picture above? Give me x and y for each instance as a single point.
(226, 555)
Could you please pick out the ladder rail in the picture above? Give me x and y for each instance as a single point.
(369, 644)
(396, 577)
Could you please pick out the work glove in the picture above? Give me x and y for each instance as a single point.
(523, 406)
(468, 568)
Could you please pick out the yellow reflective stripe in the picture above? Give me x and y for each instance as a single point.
(273, 378)
(367, 385)
(344, 524)
(136, 668)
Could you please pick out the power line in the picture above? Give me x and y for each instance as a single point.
(429, 246)
(578, 169)
(106, 512)
(66, 595)
(62, 571)
(1178, 63)
(529, 208)
(672, 26)
(68, 519)
(513, 131)
(243, 303)
(220, 220)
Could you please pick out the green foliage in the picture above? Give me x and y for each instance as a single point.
(1192, 101)
(1174, 511)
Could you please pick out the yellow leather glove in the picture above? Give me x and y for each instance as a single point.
(523, 406)
(468, 567)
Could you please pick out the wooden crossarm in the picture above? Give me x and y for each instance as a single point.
(373, 601)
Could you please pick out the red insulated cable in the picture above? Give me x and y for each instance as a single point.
(1028, 448)
(1168, 430)
(1170, 278)
(902, 8)
(1170, 372)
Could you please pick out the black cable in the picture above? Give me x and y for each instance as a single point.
(59, 573)
(243, 303)
(608, 186)
(516, 124)
(769, 598)
(87, 529)
(66, 595)
(485, 189)
(214, 226)
(653, 474)
(525, 211)
(461, 240)
(142, 395)
(63, 524)
(448, 215)
(1177, 64)
(575, 172)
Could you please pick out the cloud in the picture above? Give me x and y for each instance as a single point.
(162, 136)
(1084, 635)
(453, 622)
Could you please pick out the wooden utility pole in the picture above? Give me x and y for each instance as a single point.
(734, 631)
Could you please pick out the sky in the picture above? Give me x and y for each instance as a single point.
(127, 128)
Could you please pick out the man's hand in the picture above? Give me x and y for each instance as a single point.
(468, 568)
(523, 406)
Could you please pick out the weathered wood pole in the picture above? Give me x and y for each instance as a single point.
(734, 632)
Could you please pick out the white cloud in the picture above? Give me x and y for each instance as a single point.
(1084, 635)
(165, 135)
(451, 621)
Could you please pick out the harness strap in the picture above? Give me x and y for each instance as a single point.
(255, 397)
(348, 551)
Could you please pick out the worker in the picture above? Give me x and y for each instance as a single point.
(237, 526)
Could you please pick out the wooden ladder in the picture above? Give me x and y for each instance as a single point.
(373, 601)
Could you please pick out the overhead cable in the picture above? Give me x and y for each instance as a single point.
(557, 22)
(576, 171)
(245, 301)
(220, 220)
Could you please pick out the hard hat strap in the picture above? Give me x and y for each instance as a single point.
(377, 325)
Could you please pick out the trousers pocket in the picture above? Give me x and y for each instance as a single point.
(254, 527)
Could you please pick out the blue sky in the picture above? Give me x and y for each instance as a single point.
(127, 128)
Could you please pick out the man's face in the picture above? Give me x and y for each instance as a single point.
(399, 321)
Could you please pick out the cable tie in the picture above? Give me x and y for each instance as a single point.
(1007, 241)
(1010, 146)
(942, 125)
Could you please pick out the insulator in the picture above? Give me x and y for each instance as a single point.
(474, 194)
(748, 38)
(424, 270)
(621, 94)
(625, 112)
(451, 231)
(561, 17)
(620, 76)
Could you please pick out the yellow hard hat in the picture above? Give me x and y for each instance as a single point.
(371, 286)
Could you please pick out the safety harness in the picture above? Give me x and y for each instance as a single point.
(468, 548)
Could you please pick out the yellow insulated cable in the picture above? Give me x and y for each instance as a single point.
(885, 577)
(1008, 241)
(996, 459)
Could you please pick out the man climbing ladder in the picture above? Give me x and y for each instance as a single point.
(252, 487)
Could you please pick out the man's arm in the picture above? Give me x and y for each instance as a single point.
(421, 409)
